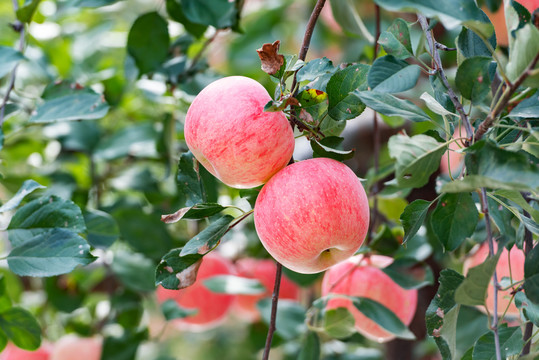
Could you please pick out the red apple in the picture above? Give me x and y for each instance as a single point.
(510, 264)
(264, 271)
(312, 215)
(212, 307)
(12, 352)
(498, 20)
(71, 347)
(229, 133)
(361, 276)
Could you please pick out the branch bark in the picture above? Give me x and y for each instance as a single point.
(528, 246)
(274, 301)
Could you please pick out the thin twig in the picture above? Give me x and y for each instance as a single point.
(274, 301)
(442, 47)
(199, 54)
(528, 246)
(438, 65)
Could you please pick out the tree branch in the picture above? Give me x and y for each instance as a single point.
(274, 301)
(528, 246)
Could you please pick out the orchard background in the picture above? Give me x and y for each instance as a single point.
(435, 112)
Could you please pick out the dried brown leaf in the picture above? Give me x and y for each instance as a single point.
(271, 60)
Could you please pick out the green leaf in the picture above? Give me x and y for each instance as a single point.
(409, 274)
(176, 272)
(49, 253)
(291, 64)
(349, 19)
(529, 309)
(171, 310)
(175, 11)
(218, 13)
(517, 198)
(454, 219)
(473, 182)
(472, 78)
(382, 316)
(417, 158)
(290, 317)
(473, 290)
(103, 230)
(27, 187)
(148, 42)
(231, 284)
(339, 323)
(343, 103)
(42, 214)
(195, 212)
(188, 179)
(26, 12)
(134, 141)
(5, 300)
(9, 57)
(80, 136)
(134, 270)
(531, 275)
(310, 347)
(390, 105)
(396, 40)
(522, 50)
(511, 344)
(21, 328)
(208, 238)
(413, 217)
(326, 148)
(315, 69)
(123, 347)
(391, 75)
(449, 330)
(91, 3)
(470, 44)
(527, 108)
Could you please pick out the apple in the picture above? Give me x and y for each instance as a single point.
(510, 264)
(498, 20)
(72, 346)
(212, 307)
(262, 270)
(12, 352)
(362, 276)
(229, 133)
(312, 215)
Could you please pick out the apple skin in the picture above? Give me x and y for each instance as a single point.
(361, 276)
(212, 307)
(262, 270)
(312, 215)
(71, 347)
(12, 352)
(229, 133)
(502, 270)
(498, 20)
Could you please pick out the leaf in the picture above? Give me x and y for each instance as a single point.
(5, 300)
(134, 270)
(270, 58)
(21, 328)
(171, 310)
(511, 344)
(188, 179)
(148, 42)
(390, 105)
(92, 3)
(417, 158)
(123, 347)
(290, 317)
(528, 308)
(434, 105)
(314, 69)
(449, 330)
(473, 182)
(454, 219)
(409, 274)
(175, 11)
(208, 238)
(321, 150)
(339, 323)
(49, 253)
(195, 212)
(42, 214)
(176, 272)
(391, 75)
(413, 217)
(26, 12)
(231, 284)
(382, 316)
(527, 108)
(27, 187)
(472, 78)
(473, 290)
(470, 44)
(80, 136)
(310, 347)
(9, 58)
(343, 103)
(103, 230)
(517, 198)
(522, 50)
(135, 141)
(531, 275)
(218, 13)
(349, 19)
(396, 40)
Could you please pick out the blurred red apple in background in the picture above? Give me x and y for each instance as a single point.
(71, 347)
(12, 352)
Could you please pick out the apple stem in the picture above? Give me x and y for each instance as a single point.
(273, 318)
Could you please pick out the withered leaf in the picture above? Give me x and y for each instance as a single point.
(269, 57)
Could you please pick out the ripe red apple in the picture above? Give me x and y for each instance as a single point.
(71, 347)
(515, 258)
(212, 307)
(498, 20)
(12, 352)
(264, 271)
(361, 276)
(229, 133)
(312, 215)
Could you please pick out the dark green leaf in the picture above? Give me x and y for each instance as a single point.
(123, 347)
(49, 253)
(413, 217)
(171, 310)
(472, 78)
(80, 136)
(511, 343)
(290, 317)
(310, 348)
(391, 75)
(66, 298)
(27, 187)
(3, 341)
(175, 11)
(230, 284)
(26, 12)
(417, 158)
(218, 13)
(42, 214)
(473, 290)
(103, 230)
(136, 141)
(314, 69)
(5, 301)
(470, 44)
(322, 150)
(339, 323)
(409, 275)
(148, 42)
(189, 179)
(208, 238)
(349, 19)
(134, 270)
(396, 40)
(527, 108)
(517, 198)
(176, 272)
(343, 103)
(390, 105)
(454, 219)
(531, 275)
(21, 328)
(9, 57)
